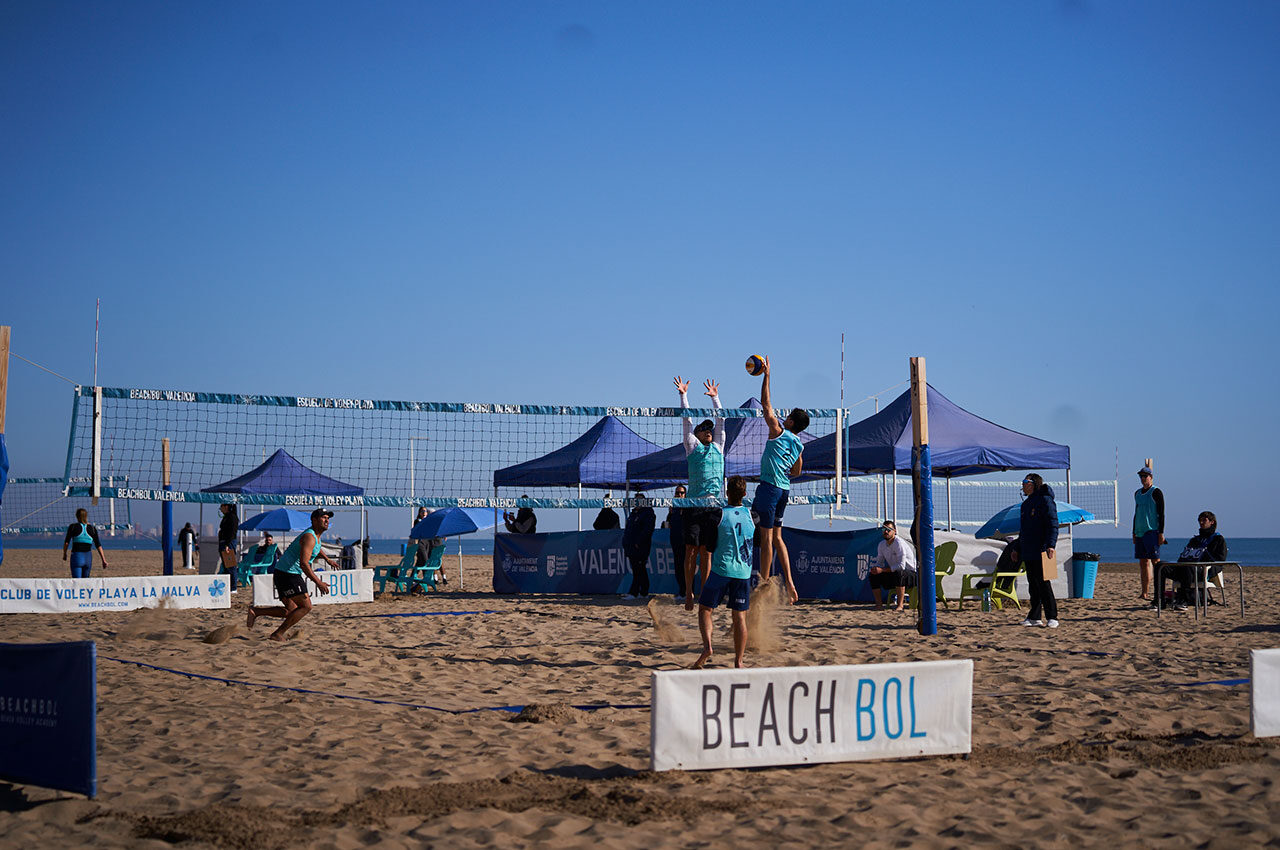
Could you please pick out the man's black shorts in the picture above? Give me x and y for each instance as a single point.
(891, 580)
(289, 584)
(700, 525)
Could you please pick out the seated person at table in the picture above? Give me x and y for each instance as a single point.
(894, 566)
(1207, 545)
(525, 520)
(607, 518)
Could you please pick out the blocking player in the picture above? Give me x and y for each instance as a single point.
(704, 450)
(292, 566)
(730, 578)
(781, 461)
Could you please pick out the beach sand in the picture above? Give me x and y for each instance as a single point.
(1082, 736)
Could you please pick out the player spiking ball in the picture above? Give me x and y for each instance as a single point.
(704, 451)
(781, 461)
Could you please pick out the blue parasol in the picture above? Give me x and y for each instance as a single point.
(447, 522)
(280, 519)
(1009, 520)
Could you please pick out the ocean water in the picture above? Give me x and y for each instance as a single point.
(1249, 551)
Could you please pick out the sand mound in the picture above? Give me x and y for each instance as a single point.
(222, 634)
(553, 712)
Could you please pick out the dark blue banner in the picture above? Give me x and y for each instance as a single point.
(577, 562)
(824, 564)
(48, 715)
(831, 564)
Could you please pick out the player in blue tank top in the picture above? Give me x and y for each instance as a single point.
(293, 565)
(730, 578)
(782, 460)
(704, 451)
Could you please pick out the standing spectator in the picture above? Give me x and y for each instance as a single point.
(525, 520)
(894, 567)
(1148, 527)
(607, 518)
(187, 543)
(227, 532)
(1038, 539)
(675, 525)
(636, 542)
(83, 539)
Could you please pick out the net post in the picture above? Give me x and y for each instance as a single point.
(166, 509)
(839, 480)
(5, 331)
(925, 590)
(95, 474)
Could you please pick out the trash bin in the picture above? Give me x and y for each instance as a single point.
(1084, 572)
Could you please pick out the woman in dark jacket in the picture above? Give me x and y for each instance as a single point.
(228, 529)
(1037, 538)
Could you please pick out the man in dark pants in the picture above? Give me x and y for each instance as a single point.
(1038, 540)
(675, 524)
(636, 542)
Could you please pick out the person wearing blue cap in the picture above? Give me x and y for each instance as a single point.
(1148, 528)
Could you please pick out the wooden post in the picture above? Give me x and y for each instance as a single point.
(4, 372)
(921, 464)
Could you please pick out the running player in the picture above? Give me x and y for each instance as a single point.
(781, 461)
(704, 450)
(290, 586)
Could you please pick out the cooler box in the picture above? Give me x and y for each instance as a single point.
(1084, 572)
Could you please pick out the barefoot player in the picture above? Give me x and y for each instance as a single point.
(292, 566)
(730, 579)
(780, 463)
(704, 450)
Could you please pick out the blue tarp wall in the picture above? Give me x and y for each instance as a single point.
(829, 565)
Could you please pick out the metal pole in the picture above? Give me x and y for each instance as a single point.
(579, 509)
(950, 527)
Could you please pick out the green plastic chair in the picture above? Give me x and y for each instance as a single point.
(944, 564)
(407, 576)
(249, 567)
(1003, 587)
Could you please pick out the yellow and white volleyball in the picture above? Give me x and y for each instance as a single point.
(755, 365)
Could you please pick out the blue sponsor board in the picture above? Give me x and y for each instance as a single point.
(824, 564)
(577, 562)
(48, 715)
(831, 564)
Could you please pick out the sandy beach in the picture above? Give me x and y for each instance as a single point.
(1094, 733)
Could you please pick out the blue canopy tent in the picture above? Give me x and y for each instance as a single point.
(282, 475)
(960, 443)
(597, 459)
(744, 442)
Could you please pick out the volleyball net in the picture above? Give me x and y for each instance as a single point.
(343, 451)
(40, 506)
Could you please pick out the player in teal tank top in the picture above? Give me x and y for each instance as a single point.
(288, 577)
(704, 450)
(782, 460)
(730, 577)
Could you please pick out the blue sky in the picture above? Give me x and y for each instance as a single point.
(1069, 208)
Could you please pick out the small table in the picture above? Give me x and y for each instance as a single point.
(1201, 572)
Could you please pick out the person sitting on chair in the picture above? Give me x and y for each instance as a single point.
(607, 518)
(894, 567)
(266, 550)
(1207, 545)
(525, 521)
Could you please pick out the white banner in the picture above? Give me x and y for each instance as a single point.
(344, 586)
(45, 595)
(1265, 686)
(802, 715)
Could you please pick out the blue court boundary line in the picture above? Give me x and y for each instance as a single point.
(514, 709)
(416, 614)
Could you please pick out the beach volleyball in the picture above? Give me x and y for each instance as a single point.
(755, 365)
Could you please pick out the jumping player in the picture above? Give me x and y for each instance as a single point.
(730, 579)
(704, 450)
(781, 461)
(290, 587)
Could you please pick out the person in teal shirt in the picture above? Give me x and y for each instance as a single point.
(704, 450)
(781, 461)
(288, 578)
(730, 578)
(1148, 528)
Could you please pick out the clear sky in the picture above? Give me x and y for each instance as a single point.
(1070, 209)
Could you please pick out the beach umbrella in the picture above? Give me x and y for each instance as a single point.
(280, 519)
(446, 522)
(1008, 520)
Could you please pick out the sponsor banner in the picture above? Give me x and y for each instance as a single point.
(48, 712)
(57, 595)
(706, 719)
(345, 586)
(831, 564)
(577, 562)
(1265, 692)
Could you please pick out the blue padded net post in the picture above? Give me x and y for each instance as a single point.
(928, 598)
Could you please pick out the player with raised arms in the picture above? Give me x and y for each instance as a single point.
(704, 451)
(781, 461)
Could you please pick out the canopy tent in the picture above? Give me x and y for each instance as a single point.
(282, 475)
(744, 441)
(960, 443)
(596, 459)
